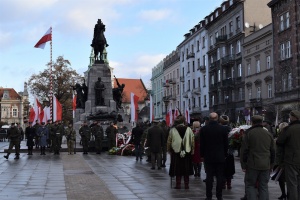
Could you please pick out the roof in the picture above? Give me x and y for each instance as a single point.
(12, 94)
(135, 86)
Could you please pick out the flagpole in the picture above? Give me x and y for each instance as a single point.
(51, 85)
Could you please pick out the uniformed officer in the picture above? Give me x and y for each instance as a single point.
(85, 133)
(36, 126)
(71, 138)
(97, 132)
(30, 134)
(56, 138)
(14, 135)
(48, 125)
(61, 132)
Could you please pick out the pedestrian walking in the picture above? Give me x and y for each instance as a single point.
(180, 145)
(30, 135)
(155, 143)
(14, 136)
(85, 133)
(214, 148)
(257, 159)
(290, 141)
(196, 159)
(137, 133)
(165, 129)
(71, 138)
(43, 133)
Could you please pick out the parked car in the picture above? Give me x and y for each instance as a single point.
(3, 134)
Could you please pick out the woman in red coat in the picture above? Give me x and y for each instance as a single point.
(196, 159)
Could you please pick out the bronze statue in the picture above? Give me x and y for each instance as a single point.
(99, 41)
(117, 94)
(99, 88)
(80, 96)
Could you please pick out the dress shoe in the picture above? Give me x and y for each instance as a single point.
(5, 157)
(282, 197)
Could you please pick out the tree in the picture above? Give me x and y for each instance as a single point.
(63, 78)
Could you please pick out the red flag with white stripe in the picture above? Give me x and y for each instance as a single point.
(134, 107)
(46, 38)
(47, 114)
(74, 104)
(57, 110)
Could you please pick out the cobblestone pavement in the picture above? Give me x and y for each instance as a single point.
(102, 176)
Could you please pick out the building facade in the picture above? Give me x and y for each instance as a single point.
(259, 74)
(157, 90)
(286, 42)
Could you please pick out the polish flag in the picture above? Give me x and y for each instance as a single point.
(151, 117)
(187, 115)
(176, 113)
(168, 119)
(134, 107)
(38, 111)
(46, 38)
(74, 104)
(31, 115)
(57, 110)
(47, 114)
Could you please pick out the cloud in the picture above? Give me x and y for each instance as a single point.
(5, 39)
(155, 15)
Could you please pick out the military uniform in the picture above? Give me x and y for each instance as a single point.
(85, 133)
(36, 126)
(14, 135)
(49, 141)
(70, 134)
(111, 132)
(97, 132)
(61, 133)
(56, 138)
(30, 134)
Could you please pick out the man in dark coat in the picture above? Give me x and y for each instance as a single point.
(164, 127)
(111, 132)
(137, 133)
(98, 133)
(85, 133)
(213, 148)
(30, 135)
(257, 158)
(155, 142)
(290, 141)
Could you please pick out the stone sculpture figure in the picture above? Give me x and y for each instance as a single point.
(80, 93)
(117, 94)
(99, 41)
(99, 88)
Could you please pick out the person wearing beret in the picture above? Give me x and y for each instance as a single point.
(14, 135)
(257, 159)
(290, 141)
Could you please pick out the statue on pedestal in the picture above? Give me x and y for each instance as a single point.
(81, 92)
(117, 94)
(99, 41)
(99, 88)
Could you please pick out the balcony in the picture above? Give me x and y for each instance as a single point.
(228, 60)
(172, 97)
(196, 110)
(196, 91)
(228, 82)
(181, 78)
(257, 102)
(222, 38)
(166, 99)
(190, 55)
(166, 84)
(172, 81)
(202, 68)
(185, 94)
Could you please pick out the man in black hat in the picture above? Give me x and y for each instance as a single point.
(30, 134)
(257, 158)
(14, 135)
(290, 141)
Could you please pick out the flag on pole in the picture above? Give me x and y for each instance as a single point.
(74, 104)
(57, 110)
(38, 111)
(47, 114)
(31, 115)
(46, 38)
(176, 113)
(151, 117)
(134, 107)
(187, 115)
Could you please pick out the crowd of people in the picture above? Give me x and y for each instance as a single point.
(263, 152)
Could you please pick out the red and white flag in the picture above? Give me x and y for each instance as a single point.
(47, 114)
(38, 111)
(176, 113)
(57, 110)
(31, 115)
(46, 38)
(187, 115)
(74, 104)
(134, 107)
(171, 120)
(151, 117)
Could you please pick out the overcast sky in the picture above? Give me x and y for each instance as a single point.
(140, 33)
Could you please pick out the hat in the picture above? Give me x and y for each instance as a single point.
(257, 119)
(224, 119)
(295, 113)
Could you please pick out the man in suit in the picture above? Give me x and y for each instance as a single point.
(155, 143)
(213, 148)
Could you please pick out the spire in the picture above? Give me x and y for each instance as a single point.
(25, 92)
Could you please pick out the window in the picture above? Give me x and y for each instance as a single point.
(240, 70)
(204, 101)
(182, 56)
(241, 96)
(188, 68)
(203, 42)
(281, 23)
(14, 112)
(177, 73)
(189, 85)
(224, 74)
(232, 95)
(204, 80)
(218, 54)
(223, 7)
(212, 79)
(193, 66)
(198, 45)
(198, 61)
(288, 49)
(187, 53)
(212, 100)
(238, 47)
(238, 22)
(219, 75)
(250, 93)
(192, 49)
(230, 27)
(248, 69)
(177, 89)
(204, 60)
(284, 82)
(216, 35)
(257, 66)
(223, 31)
(269, 90)
(223, 51)
(289, 81)
(194, 84)
(284, 21)
(231, 49)
(258, 92)
(211, 40)
(230, 2)
(268, 62)
(199, 82)
(285, 50)
(232, 72)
